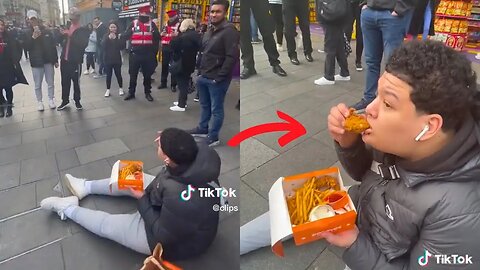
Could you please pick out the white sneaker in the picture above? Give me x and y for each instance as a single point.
(320, 51)
(40, 106)
(91, 71)
(279, 48)
(51, 104)
(107, 93)
(120, 92)
(176, 104)
(323, 81)
(58, 204)
(339, 77)
(86, 72)
(76, 186)
(177, 109)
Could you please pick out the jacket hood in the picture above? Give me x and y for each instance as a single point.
(458, 161)
(205, 168)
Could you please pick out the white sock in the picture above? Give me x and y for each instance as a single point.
(88, 187)
(69, 211)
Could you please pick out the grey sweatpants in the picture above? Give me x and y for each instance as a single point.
(125, 229)
(38, 73)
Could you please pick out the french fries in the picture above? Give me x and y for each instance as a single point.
(311, 194)
(128, 170)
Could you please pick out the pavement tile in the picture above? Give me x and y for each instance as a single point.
(14, 128)
(327, 260)
(100, 150)
(99, 169)
(23, 196)
(324, 137)
(67, 159)
(296, 257)
(252, 204)
(141, 139)
(95, 113)
(10, 175)
(231, 180)
(10, 141)
(255, 102)
(85, 125)
(29, 231)
(50, 257)
(38, 168)
(229, 156)
(68, 142)
(253, 154)
(83, 251)
(44, 133)
(119, 130)
(23, 151)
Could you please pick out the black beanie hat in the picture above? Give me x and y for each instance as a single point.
(178, 145)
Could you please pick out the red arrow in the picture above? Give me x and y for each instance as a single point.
(295, 130)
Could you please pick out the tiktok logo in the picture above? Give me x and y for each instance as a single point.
(423, 260)
(187, 194)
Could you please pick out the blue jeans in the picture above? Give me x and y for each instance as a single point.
(212, 96)
(254, 27)
(382, 34)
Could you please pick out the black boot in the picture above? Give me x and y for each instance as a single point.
(174, 88)
(149, 97)
(129, 96)
(162, 86)
(9, 111)
(2, 112)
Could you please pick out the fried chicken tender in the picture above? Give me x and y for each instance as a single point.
(355, 123)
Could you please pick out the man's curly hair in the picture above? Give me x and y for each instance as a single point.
(442, 79)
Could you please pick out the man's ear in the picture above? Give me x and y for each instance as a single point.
(435, 124)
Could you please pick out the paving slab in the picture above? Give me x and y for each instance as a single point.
(46, 258)
(10, 175)
(23, 196)
(38, 168)
(69, 141)
(100, 150)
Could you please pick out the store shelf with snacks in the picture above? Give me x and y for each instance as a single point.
(452, 22)
(187, 9)
(234, 15)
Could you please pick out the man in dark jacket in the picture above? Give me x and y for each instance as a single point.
(293, 9)
(261, 11)
(419, 194)
(75, 40)
(171, 210)
(384, 26)
(419, 165)
(144, 36)
(219, 55)
(40, 44)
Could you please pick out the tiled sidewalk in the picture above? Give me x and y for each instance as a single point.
(38, 148)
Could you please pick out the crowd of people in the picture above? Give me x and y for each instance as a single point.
(183, 46)
(383, 25)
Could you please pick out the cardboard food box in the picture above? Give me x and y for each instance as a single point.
(280, 224)
(127, 174)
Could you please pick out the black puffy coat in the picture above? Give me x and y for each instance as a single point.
(433, 206)
(41, 50)
(10, 70)
(186, 46)
(184, 228)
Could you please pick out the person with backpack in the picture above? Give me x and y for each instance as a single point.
(332, 14)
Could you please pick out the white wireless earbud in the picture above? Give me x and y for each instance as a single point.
(420, 135)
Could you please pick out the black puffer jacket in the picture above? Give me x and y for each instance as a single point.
(219, 51)
(41, 50)
(434, 206)
(184, 228)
